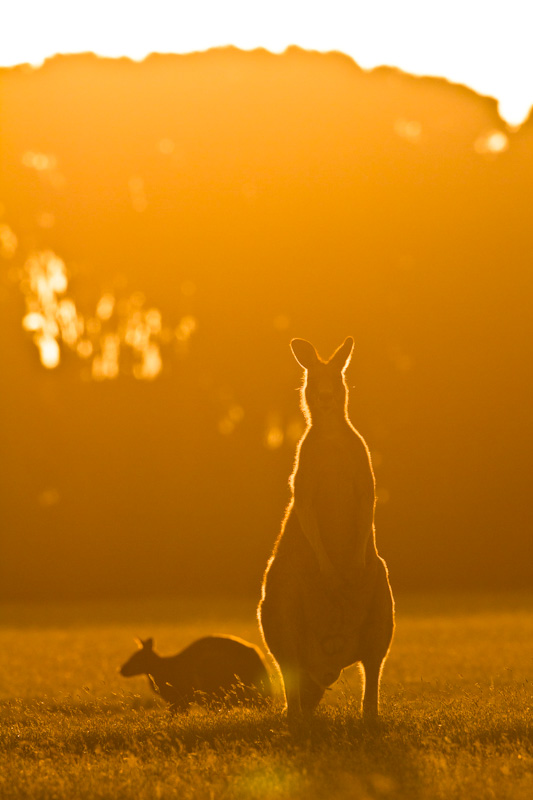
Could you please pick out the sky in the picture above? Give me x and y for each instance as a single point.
(485, 44)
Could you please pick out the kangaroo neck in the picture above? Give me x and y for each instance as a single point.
(155, 666)
(329, 425)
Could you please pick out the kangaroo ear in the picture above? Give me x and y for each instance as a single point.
(304, 353)
(147, 644)
(341, 357)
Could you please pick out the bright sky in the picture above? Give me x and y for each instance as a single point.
(485, 44)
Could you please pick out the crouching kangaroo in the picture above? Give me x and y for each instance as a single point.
(326, 599)
(214, 667)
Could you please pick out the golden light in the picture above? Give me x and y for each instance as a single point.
(33, 321)
(137, 192)
(39, 161)
(274, 435)
(229, 422)
(48, 498)
(295, 429)
(46, 220)
(55, 322)
(105, 307)
(166, 146)
(8, 241)
(281, 322)
(411, 130)
(492, 143)
(151, 364)
(153, 320)
(48, 351)
(226, 426)
(483, 45)
(186, 328)
(84, 348)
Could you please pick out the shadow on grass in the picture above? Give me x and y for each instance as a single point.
(334, 753)
(250, 748)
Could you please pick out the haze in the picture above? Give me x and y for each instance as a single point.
(483, 45)
(167, 228)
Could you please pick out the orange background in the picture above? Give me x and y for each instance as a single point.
(297, 203)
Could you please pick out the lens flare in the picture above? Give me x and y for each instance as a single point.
(492, 143)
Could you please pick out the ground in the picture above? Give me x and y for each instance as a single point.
(456, 709)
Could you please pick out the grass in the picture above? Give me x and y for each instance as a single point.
(456, 709)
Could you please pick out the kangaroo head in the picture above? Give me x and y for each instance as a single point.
(140, 662)
(324, 391)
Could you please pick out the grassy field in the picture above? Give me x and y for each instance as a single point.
(456, 709)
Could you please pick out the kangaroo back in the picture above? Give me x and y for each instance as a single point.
(214, 667)
(216, 664)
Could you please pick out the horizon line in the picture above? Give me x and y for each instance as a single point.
(140, 59)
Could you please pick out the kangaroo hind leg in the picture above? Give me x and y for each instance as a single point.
(310, 693)
(291, 685)
(372, 672)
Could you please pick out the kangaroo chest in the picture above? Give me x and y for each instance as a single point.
(335, 478)
(334, 458)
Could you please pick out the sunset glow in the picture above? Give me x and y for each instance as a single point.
(53, 319)
(266, 339)
(485, 46)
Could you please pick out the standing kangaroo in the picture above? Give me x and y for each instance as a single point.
(214, 667)
(326, 600)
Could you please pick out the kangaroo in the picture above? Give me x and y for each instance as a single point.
(326, 599)
(214, 667)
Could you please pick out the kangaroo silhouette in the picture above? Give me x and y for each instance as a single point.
(212, 668)
(326, 599)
